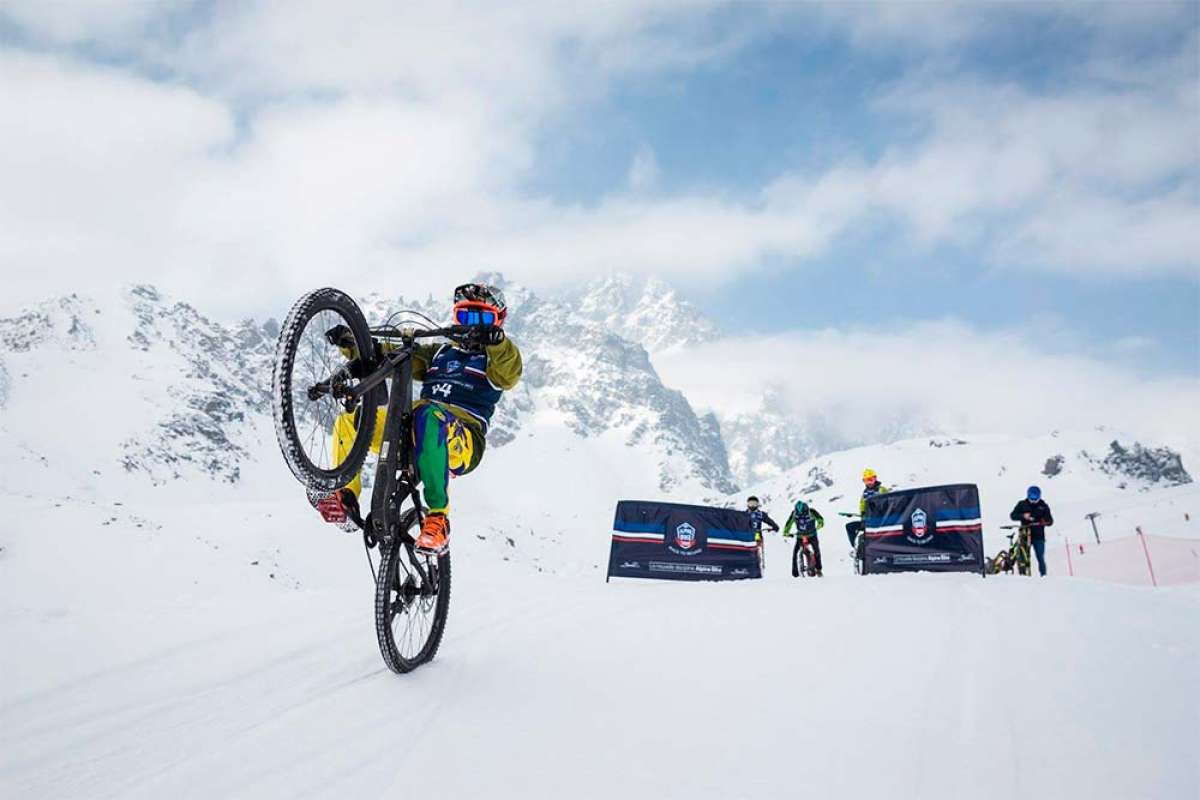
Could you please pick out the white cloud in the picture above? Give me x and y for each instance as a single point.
(941, 374)
(94, 161)
(1077, 183)
(371, 145)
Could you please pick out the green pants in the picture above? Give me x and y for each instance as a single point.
(442, 446)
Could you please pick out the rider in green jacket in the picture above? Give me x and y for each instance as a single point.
(807, 521)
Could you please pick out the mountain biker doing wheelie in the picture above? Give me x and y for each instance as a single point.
(871, 487)
(807, 521)
(461, 385)
(1034, 514)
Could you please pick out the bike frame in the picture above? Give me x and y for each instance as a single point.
(395, 475)
(806, 555)
(1020, 546)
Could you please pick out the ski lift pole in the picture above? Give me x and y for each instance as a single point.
(1092, 519)
(1146, 550)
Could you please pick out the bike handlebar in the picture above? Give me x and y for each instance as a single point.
(449, 332)
(350, 395)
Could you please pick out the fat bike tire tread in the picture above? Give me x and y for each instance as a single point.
(298, 461)
(388, 567)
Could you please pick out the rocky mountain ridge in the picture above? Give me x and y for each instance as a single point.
(206, 383)
(192, 392)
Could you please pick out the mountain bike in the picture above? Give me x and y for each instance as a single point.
(854, 530)
(318, 395)
(1016, 555)
(804, 560)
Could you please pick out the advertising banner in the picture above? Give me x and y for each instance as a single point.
(936, 528)
(672, 541)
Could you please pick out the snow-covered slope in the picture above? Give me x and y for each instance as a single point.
(227, 650)
(130, 389)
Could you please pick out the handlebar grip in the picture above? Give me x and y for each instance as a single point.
(450, 331)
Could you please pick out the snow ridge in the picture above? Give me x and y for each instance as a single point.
(209, 392)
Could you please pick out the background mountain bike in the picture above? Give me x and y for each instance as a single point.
(316, 390)
(805, 565)
(1018, 554)
(858, 545)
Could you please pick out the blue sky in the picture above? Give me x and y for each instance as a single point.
(804, 99)
(1028, 168)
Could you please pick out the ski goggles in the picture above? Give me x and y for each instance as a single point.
(475, 313)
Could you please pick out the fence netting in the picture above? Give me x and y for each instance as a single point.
(1140, 559)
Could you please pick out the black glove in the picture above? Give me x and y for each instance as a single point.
(491, 336)
(340, 336)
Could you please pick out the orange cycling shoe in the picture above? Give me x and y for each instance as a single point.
(435, 535)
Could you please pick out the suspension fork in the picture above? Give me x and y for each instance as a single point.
(395, 467)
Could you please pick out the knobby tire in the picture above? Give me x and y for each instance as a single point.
(291, 441)
(388, 605)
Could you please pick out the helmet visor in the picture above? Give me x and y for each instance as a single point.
(475, 313)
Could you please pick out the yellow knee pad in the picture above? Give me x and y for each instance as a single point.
(461, 446)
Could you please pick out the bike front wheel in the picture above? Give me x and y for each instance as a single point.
(323, 443)
(412, 601)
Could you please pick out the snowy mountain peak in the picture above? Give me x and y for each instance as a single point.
(65, 321)
(644, 310)
(190, 396)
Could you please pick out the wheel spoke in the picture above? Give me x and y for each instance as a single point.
(315, 361)
(411, 617)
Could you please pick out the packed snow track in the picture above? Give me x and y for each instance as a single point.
(162, 662)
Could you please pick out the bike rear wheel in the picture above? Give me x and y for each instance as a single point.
(412, 601)
(305, 359)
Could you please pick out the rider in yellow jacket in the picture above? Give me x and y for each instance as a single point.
(460, 388)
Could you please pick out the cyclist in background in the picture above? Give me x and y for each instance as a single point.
(807, 521)
(759, 517)
(871, 487)
(1034, 513)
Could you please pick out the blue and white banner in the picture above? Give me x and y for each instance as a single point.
(937, 528)
(673, 541)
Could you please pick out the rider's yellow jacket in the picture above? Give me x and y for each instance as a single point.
(879, 488)
(503, 370)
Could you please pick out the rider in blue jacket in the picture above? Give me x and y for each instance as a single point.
(758, 517)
